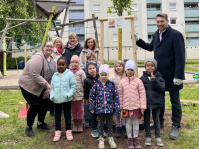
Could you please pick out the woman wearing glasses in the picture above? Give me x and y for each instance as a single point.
(34, 83)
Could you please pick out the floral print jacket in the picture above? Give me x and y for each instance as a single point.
(104, 99)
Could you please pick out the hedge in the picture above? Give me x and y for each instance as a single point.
(11, 62)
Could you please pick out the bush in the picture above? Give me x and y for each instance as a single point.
(11, 62)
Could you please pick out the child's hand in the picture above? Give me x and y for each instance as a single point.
(92, 111)
(152, 76)
(87, 102)
(142, 110)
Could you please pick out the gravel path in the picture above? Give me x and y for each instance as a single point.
(12, 76)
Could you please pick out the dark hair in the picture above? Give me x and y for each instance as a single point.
(162, 15)
(63, 58)
(95, 46)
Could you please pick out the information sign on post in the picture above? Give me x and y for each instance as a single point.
(116, 22)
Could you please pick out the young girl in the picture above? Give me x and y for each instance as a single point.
(63, 86)
(154, 85)
(104, 101)
(77, 103)
(119, 74)
(133, 102)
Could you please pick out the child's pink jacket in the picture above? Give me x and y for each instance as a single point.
(132, 94)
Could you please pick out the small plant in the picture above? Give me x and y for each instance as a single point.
(76, 146)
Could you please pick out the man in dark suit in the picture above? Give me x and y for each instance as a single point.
(169, 51)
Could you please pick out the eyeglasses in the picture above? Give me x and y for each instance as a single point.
(49, 46)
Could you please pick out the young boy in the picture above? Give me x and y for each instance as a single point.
(90, 57)
(154, 86)
(91, 78)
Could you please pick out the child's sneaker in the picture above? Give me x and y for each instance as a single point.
(94, 133)
(86, 124)
(111, 142)
(136, 143)
(148, 141)
(159, 142)
(130, 143)
(101, 143)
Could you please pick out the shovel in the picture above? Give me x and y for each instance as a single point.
(23, 111)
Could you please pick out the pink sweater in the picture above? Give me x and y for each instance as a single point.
(132, 94)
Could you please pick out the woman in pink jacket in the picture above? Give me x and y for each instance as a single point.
(133, 102)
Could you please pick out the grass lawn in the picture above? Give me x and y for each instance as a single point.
(12, 129)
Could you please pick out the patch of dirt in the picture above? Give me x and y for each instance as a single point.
(89, 142)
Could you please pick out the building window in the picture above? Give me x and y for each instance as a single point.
(134, 7)
(150, 37)
(172, 6)
(80, 38)
(115, 37)
(96, 8)
(192, 22)
(173, 21)
(153, 7)
(191, 6)
(76, 10)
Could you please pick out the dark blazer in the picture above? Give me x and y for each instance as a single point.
(154, 90)
(88, 84)
(169, 54)
(69, 53)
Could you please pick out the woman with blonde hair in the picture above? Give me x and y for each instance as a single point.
(90, 45)
(58, 48)
(73, 47)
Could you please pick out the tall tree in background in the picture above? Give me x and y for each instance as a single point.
(20, 9)
(118, 7)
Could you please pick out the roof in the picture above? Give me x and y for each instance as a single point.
(46, 7)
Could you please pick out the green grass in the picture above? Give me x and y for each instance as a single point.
(12, 129)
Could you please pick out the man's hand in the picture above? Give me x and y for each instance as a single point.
(152, 76)
(177, 81)
(136, 37)
(92, 111)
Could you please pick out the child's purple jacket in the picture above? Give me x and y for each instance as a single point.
(104, 99)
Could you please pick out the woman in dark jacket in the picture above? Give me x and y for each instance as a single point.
(154, 86)
(73, 47)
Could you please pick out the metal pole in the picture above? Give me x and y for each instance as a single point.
(120, 44)
(55, 28)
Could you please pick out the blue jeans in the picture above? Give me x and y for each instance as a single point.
(176, 109)
(86, 112)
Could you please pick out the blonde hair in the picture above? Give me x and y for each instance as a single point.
(71, 35)
(89, 55)
(62, 46)
(121, 64)
(95, 45)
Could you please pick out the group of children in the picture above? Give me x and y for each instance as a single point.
(92, 93)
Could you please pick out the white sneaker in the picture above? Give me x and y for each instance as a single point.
(101, 143)
(112, 142)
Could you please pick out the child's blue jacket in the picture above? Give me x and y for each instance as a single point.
(104, 99)
(63, 87)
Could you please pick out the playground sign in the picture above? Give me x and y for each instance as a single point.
(116, 22)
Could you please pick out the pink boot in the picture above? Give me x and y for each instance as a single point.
(69, 135)
(75, 125)
(57, 136)
(80, 126)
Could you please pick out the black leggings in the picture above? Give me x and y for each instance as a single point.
(37, 105)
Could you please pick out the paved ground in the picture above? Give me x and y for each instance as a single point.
(12, 76)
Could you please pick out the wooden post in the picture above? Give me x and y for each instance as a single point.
(4, 57)
(95, 28)
(119, 43)
(4, 33)
(37, 13)
(134, 46)
(101, 42)
(25, 55)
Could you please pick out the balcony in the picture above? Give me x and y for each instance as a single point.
(77, 30)
(153, 1)
(151, 28)
(192, 42)
(152, 13)
(192, 27)
(76, 15)
(188, 1)
(191, 13)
